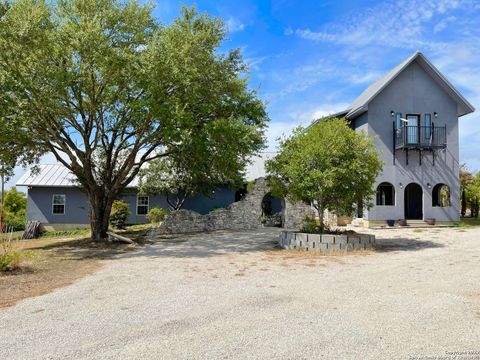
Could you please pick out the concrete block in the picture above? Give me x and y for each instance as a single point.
(313, 237)
(302, 237)
(322, 246)
(353, 240)
(328, 239)
(341, 239)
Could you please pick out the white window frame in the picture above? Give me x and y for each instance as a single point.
(64, 203)
(148, 205)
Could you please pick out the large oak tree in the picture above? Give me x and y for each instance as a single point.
(106, 88)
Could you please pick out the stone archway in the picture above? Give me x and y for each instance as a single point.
(272, 210)
(241, 215)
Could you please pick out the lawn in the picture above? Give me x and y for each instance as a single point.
(58, 259)
(469, 222)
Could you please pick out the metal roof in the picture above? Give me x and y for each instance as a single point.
(360, 104)
(48, 175)
(57, 175)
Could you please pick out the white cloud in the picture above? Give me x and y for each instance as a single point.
(234, 25)
(394, 24)
(443, 23)
(280, 129)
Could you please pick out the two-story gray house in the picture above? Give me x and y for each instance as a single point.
(412, 114)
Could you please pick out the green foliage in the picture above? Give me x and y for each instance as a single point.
(15, 209)
(11, 255)
(108, 87)
(15, 201)
(16, 221)
(329, 165)
(310, 225)
(470, 189)
(156, 215)
(65, 233)
(250, 186)
(119, 214)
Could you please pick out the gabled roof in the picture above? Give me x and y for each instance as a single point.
(360, 104)
(57, 175)
(53, 175)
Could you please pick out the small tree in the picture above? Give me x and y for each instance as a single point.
(328, 165)
(119, 214)
(200, 165)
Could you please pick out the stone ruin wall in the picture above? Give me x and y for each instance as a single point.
(241, 215)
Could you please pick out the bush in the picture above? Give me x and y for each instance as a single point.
(156, 215)
(310, 226)
(11, 256)
(15, 221)
(119, 214)
(14, 214)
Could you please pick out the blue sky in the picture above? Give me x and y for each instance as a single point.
(312, 58)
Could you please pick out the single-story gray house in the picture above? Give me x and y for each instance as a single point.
(57, 202)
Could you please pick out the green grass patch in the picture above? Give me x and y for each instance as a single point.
(65, 233)
(468, 222)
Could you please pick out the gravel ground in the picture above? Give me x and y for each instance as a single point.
(230, 295)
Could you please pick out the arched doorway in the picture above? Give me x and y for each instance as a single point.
(272, 208)
(413, 202)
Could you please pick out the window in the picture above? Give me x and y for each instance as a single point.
(142, 205)
(385, 194)
(58, 204)
(441, 195)
(398, 120)
(428, 126)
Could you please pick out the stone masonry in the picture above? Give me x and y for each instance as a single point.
(242, 215)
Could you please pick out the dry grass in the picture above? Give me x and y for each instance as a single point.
(56, 262)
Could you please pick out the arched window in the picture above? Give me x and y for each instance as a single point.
(441, 195)
(385, 194)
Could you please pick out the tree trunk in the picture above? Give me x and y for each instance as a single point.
(464, 203)
(100, 208)
(321, 216)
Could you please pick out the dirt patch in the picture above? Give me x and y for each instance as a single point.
(56, 263)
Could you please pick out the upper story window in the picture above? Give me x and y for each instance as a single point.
(427, 120)
(58, 204)
(385, 194)
(398, 120)
(142, 205)
(441, 195)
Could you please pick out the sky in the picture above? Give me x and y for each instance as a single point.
(311, 58)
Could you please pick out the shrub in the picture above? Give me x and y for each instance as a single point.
(14, 214)
(11, 256)
(310, 225)
(15, 221)
(156, 215)
(119, 214)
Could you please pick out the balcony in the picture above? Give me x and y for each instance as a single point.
(421, 137)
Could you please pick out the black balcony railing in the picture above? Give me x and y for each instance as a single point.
(421, 137)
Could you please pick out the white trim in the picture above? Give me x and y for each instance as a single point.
(64, 203)
(148, 205)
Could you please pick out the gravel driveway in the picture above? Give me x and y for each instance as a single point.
(230, 295)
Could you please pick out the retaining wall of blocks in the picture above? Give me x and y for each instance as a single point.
(326, 242)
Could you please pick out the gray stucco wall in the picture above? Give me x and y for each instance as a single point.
(77, 209)
(415, 92)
